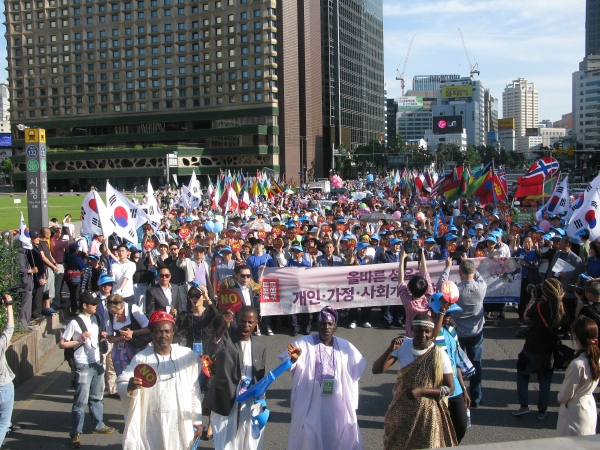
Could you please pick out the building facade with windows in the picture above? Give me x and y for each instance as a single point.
(224, 76)
(353, 83)
(520, 101)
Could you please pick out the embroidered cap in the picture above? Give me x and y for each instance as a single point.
(328, 314)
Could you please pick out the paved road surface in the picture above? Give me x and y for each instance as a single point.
(44, 402)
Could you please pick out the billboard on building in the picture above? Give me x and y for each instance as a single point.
(409, 102)
(447, 124)
(492, 136)
(456, 92)
(5, 140)
(532, 131)
(506, 124)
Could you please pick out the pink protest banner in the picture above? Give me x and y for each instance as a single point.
(293, 290)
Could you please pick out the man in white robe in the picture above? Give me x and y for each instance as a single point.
(168, 415)
(324, 396)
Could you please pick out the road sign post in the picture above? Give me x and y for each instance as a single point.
(36, 178)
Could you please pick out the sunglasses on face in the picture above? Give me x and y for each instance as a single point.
(164, 275)
(245, 275)
(201, 294)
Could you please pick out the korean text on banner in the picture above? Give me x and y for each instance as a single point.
(293, 290)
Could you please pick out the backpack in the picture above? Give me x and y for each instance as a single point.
(70, 352)
(139, 340)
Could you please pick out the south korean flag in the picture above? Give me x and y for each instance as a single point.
(586, 218)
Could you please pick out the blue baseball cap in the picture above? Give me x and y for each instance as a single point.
(105, 279)
(225, 249)
(362, 246)
(435, 304)
(559, 231)
(375, 237)
(94, 257)
(430, 239)
(471, 232)
(341, 220)
(492, 239)
(395, 241)
(297, 248)
(451, 237)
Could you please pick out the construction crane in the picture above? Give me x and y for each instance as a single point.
(400, 76)
(474, 68)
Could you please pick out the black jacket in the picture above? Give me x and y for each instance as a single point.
(228, 371)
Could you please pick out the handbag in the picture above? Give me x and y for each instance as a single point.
(71, 275)
(561, 354)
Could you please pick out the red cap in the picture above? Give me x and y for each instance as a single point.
(161, 316)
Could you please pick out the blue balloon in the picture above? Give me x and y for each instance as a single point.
(218, 227)
(210, 226)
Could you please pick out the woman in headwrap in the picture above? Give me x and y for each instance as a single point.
(324, 398)
(418, 416)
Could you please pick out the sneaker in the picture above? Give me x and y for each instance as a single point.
(366, 325)
(104, 430)
(38, 320)
(522, 410)
(76, 441)
(257, 332)
(542, 415)
(270, 332)
(49, 312)
(353, 325)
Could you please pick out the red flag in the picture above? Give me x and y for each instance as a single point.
(532, 183)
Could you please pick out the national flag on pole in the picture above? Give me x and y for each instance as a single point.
(532, 183)
(24, 234)
(558, 202)
(244, 199)
(103, 215)
(153, 209)
(90, 215)
(124, 215)
(194, 188)
(229, 199)
(586, 218)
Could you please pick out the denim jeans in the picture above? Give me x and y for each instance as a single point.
(7, 400)
(544, 380)
(473, 347)
(89, 388)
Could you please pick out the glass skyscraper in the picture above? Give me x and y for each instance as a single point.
(353, 81)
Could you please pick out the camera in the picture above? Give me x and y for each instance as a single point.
(411, 246)
(536, 289)
(5, 301)
(574, 289)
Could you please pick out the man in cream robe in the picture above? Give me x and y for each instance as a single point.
(321, 421)
(163, 416)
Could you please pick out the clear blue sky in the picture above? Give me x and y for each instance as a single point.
(541, 40)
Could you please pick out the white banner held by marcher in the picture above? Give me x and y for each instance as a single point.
(292, 290)
(558, 202)
(586, 217)
(90, 219)
(194, 188)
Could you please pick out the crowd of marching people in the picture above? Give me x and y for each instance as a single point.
(153, 307)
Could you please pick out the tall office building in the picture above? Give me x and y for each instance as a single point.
(586, 103)
(353, 85)
(463, 100)
(490, 108)
(431, 82)
(520, 102)
(391, 109)
(592, 27)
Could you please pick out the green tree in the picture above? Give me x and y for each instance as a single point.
(469, 157)
(6, 168)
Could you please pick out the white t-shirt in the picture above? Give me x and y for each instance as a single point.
(88, 353)
(137, 313)
(405, 356)
(120, 271)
